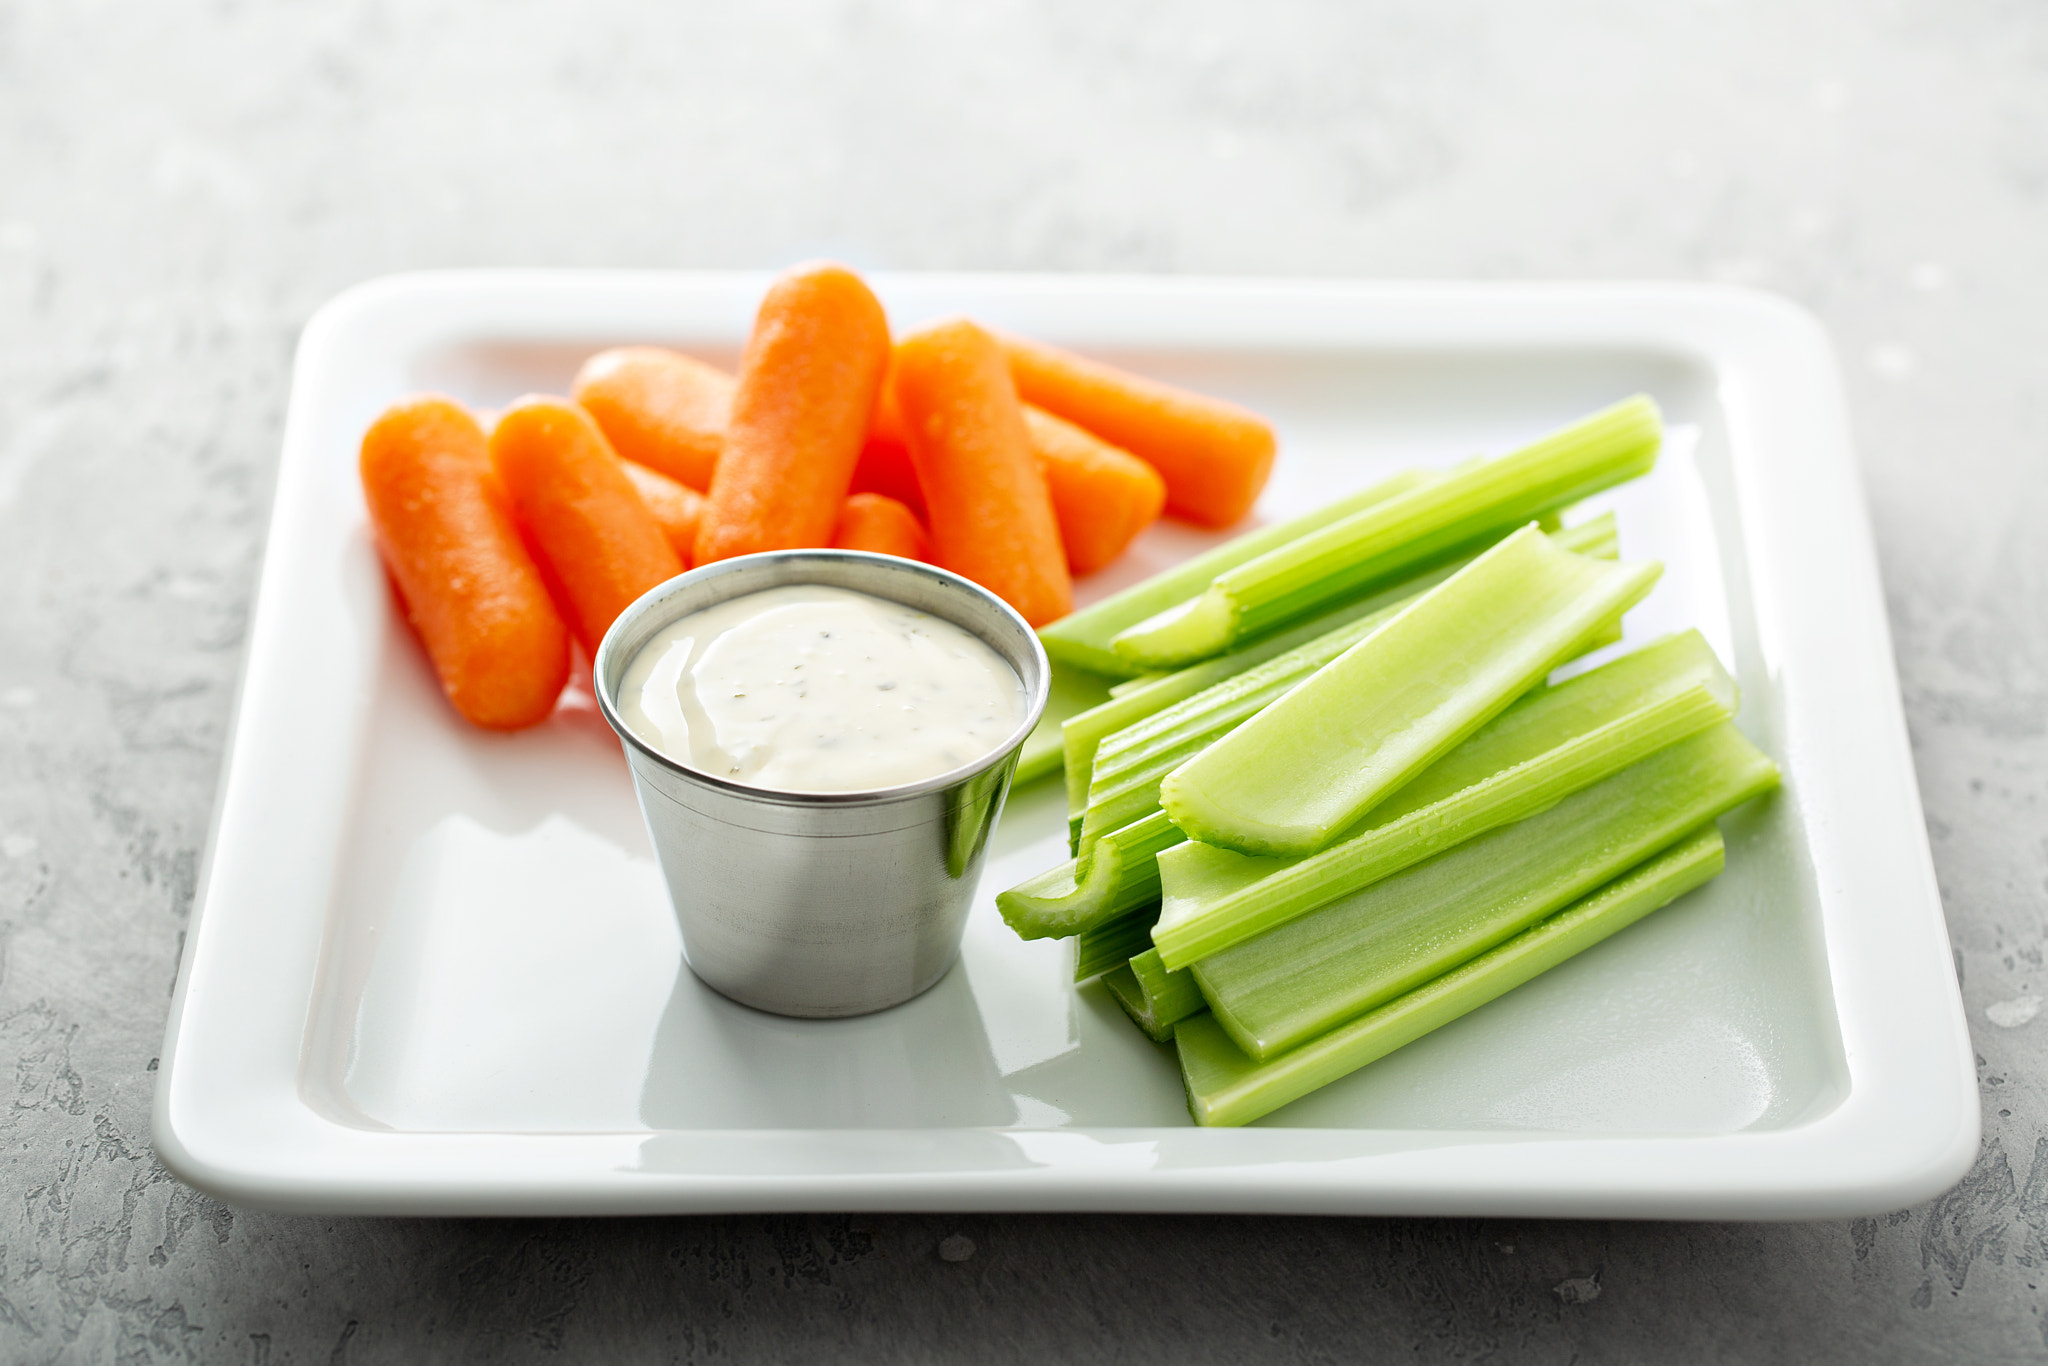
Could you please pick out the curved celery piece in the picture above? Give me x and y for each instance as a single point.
(1112, 943)
(1552, 742)
(1129, 765)
(1120, 874)
(1430, 522)
(1294, 777)
(1226, 1087)
(1135, 699)
(1083, 638)
(1312, 974)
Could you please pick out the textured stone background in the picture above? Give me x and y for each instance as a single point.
(181, 184)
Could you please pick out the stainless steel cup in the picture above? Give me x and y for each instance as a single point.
(822, 903)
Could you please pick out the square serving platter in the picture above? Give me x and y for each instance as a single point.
(433, 971)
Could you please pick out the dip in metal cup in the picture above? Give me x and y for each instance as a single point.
(822, 903)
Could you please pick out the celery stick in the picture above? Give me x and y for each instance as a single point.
(1124, 989)
(1084, 733)
(1169, 995)
(1315, 972)
(1082, 638)
(1549, 744)
(1227, 1087)
(1118, 875)
(1071, 691)
(1112, 943)
(1427, 523)
(1129, 765)
(1134, 700)
(1124, 783)
(1291, 779)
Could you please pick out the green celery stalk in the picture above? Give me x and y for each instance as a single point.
(1119, 874)
(1124, 779)
(1083, 735)
(1071, 692)
(1128, 766)
(1112, 943)
(1170, 995)
(1555, 740)
(1135, 699)
(1227, 1087)
(1124, 989)
(1293, 778)
(1433, 521)
(1083, 638)
(1313, 973)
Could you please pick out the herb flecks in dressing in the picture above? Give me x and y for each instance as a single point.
(809, 688)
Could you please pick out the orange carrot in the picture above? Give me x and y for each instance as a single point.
(1103, 497)
(800, 409)
(676, 507)
(991, 518)
(872, 521)
(884, 466)
(445, 528)
(595, 534)
(658, 408)
(1213, 455)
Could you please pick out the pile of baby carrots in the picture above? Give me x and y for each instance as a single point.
(1015, 464)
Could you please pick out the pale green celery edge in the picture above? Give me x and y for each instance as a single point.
(1611, 446)
(1266, 789)
(1259, 894)
(1124, 989)
(1082, 638)
(1169, 995)
(1227, 1087)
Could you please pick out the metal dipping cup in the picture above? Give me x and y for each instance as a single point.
(822, 904)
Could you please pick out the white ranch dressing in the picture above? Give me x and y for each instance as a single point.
(809, 688)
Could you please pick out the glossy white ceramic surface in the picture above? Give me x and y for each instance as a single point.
(433, 970)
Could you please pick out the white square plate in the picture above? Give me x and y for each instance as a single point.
(432, 970)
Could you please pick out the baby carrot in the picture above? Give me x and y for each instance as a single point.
(873, 521)
(597, 537)
(991, 518)
(445, 528)
(800, 410)
(1103, 497)
(658, 408)
(1213, 455)
(676, 507)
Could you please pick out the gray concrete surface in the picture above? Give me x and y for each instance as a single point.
(182, 183)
